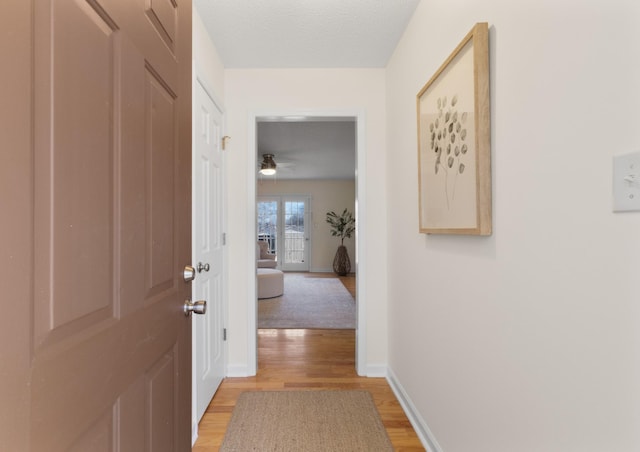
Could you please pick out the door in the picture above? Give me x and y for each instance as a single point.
(208, 346)
(104, 229)
(268, 219)
(295, 252)
(283, 222)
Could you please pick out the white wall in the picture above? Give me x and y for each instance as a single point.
(208, 64)
(249, 91)
(527, 340)
(326, 195)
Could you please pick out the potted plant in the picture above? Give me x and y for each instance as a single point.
(342, 226)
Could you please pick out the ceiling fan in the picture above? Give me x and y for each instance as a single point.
(268, 165)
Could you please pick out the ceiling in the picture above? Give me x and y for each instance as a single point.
(306, 34)
(313, 148)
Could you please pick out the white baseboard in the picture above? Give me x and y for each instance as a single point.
(375, 371)
(194, 434)
(238, 371)
(321, 270)
(419, 425)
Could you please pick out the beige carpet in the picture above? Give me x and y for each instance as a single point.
(305, 421)
(309, 302)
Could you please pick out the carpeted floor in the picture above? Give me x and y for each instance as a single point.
(306, 421)
(309, 302)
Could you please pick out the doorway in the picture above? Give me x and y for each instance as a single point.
(357, 117)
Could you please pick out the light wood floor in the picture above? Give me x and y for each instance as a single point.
(305, 360)
(349, 282)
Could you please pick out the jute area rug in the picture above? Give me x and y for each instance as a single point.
(309, 302)
(305, 421)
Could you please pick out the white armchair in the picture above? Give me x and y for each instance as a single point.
(264, 258)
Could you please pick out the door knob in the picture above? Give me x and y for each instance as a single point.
(197, 307)
(189, 273)
(202, 266)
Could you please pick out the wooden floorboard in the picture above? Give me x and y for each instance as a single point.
(305, 359)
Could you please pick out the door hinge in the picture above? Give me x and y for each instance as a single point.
(224, 334)
(224, 141)
(224, 238)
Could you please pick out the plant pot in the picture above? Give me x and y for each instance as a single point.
(341, 263)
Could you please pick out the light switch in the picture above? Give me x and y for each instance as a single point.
(626, 182)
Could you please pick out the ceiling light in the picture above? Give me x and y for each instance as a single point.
(268, 166)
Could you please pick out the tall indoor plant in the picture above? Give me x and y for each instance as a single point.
(342, 226)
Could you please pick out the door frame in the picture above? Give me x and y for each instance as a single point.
(360, 234)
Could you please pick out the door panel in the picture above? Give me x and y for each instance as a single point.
(162, 14)
(295, 255)
(160, 383)
(283, 222)
(74, 220)
(110, 366)
(268, 222)
(98, 438)
(159, 111)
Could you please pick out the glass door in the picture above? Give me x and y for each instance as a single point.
(283, 223)
(296, 237)
(268, 222)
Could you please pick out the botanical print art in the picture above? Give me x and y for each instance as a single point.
(454, 141)
(448, 142)
(447, 147)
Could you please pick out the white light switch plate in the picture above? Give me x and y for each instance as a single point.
(626, 182)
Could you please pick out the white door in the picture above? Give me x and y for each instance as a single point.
(295, 234)
(268, 222)
(208, 329)
(283, 222)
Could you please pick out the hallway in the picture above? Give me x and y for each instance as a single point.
(305, 359)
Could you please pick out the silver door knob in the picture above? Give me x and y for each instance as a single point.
(189, 273)
(197, 307)
(202, 266)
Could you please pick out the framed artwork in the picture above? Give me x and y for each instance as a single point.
(454, 142)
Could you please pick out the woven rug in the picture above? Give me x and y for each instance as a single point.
(308, 302)
(305, 421)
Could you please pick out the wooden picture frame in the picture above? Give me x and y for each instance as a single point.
(454, 142)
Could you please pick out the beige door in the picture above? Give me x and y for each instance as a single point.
(98, 345)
